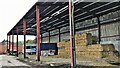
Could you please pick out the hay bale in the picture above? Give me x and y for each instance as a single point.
(81, 48)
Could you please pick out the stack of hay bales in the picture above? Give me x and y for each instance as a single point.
(101, 51)
(83, 39)
(64, 49)
(81, 42)
(86, 46)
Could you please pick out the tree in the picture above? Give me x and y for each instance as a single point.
(30, 41)
(20, 42)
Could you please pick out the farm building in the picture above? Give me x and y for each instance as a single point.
(81, 29)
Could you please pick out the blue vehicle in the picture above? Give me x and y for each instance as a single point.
(32, 48)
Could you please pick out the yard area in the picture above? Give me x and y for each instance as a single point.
(57, 60)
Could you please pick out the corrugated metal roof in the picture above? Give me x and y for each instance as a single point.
(55, 15)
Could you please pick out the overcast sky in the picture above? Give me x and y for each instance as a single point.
(11, 11)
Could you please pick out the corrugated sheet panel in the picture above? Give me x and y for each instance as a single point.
(110, 29)
(110, 38)
(93, 31)
(65, 36)
(45, 39)
(54, 39)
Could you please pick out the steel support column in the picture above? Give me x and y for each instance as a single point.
(59, 36)
(24, 26)
(38, 31)
(72, 34)
(12, 42)
(49, 36)
(9, 44)
(99, 30)
(17, 41)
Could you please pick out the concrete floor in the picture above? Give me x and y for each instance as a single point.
(81, 61)
(10, 61)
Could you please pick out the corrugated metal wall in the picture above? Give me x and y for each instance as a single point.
(65, 36)
(93, 31)
(110, 32)
(54, 39)
(45, 40)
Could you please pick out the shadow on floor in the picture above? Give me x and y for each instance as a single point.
(62, 66)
